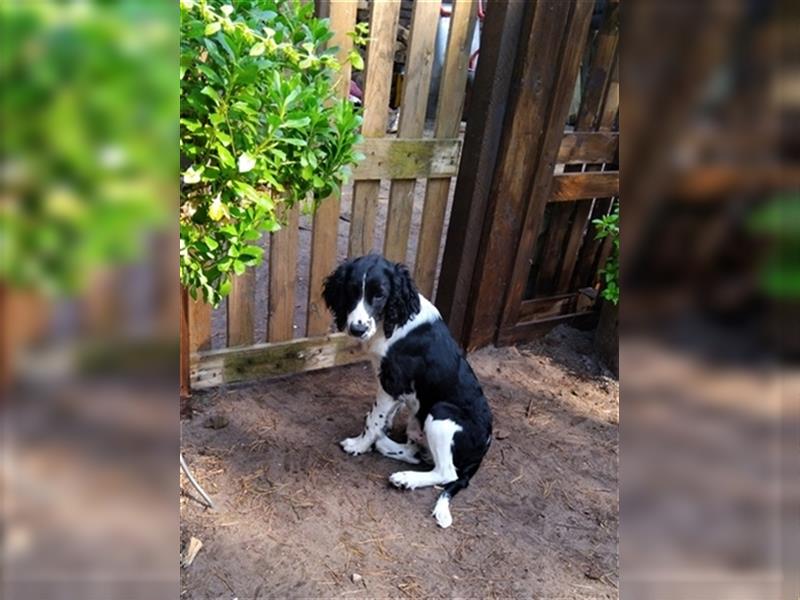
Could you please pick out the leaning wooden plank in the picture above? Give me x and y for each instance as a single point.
(576, 35)
(588, 147)
(199, 325)
(448, 119)
(388, 158)
(597, 111)
(541, 308)
(551, 248)
(525, 332)
(241, 309)
(600, 70)
(575, 186)
(378, 83)
(537, 61)
(231, 365)
(282, 269)
(325, 228)
(419, 65)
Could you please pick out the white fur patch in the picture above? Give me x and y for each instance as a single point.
(428, 313)
(360, 315)
(439, 434)
(441, 512)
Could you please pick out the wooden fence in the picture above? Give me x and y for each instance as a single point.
(521, 253)
(414, 153)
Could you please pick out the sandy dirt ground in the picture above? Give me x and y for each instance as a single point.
(298, 518)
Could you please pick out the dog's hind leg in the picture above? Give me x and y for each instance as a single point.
(439, 434)
(408, 452)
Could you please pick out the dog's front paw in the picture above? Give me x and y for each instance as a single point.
(355, 446)
(403, 479)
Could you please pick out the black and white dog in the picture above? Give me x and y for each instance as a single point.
(418, 364)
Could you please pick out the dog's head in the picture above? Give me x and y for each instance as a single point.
(365, 292)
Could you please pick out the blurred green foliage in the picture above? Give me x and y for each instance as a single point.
(779, 222)
(88, 156)
(608, 227)
(261, 126)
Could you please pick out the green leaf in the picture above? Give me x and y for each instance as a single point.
(211, 93)
(239, 267)
(297, 123)
(225, 156)
(355, 59)
(258, 49)
(212, 28)
(210, 73)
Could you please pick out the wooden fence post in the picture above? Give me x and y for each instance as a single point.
(487, 111)
(184, 369)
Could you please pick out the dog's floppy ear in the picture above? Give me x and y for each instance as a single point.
(333, 292)
(403, 302)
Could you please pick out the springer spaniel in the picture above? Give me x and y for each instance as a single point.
(418, 364)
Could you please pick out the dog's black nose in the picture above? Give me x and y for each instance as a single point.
(358, 329)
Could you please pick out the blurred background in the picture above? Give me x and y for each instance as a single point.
(710, 286)
(88, 295)
(710, 423)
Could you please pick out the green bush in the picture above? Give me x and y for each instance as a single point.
(261, 130)
(608, 227)
(87, 152)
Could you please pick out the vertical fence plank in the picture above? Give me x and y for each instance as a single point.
(241, 309)
(502, 30)
(325, 228)
(184, 371)
(419, 66)
(378, 83)
(593, 116)
(536, 62)
(282, 266)
(199, 325)
(552, 134)
(448, 118)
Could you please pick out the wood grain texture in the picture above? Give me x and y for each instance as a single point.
(534, 77)
(541, 308)
(232, 365)
(241, 309)
(362, 223)
(600, 70)
(525, 332)
(389, 158)
(597, 111)
(449, 108)
(184, 371)
(378, 82)
(568, 62)
(282, 269)
(199, 325)
(419, 66)
(586, 266)
(576, 186)
(552, 250)
(588, 147)
(325, 227)
(501, 34)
